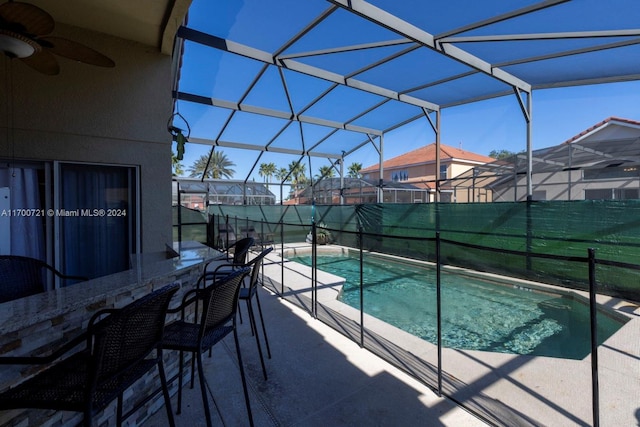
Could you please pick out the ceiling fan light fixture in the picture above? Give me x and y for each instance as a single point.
(15, 45)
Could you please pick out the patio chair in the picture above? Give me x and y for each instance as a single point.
(247, 293)
(120, 346)
(22, 276)
(218, 319)
(250, 231)
(226, 236)
(239, 255)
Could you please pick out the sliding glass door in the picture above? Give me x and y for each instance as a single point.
(96, 218)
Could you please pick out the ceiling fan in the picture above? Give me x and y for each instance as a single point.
(24, 30)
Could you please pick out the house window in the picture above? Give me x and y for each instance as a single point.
(443, 171)
(627, 193)
(598, 194)
(611, 173)
(612, 194)
(397, 176)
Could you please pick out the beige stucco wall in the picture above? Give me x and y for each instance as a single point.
(457, 169)
(93, 114)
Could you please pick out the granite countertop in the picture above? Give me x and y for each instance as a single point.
(21, 313)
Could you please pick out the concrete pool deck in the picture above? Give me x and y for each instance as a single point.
(320, 376)
(317, 377)
(521, 389)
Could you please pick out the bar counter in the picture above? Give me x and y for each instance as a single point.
(38, 324)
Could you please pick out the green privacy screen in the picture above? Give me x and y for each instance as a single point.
(542, 241)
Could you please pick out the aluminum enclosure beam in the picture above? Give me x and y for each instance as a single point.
(254, 147)
(541, 36)
(393, 23)
(258, 55)
(272, 113)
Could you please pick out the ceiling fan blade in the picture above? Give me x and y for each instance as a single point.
(25, 18)
(76, 51)
(43, 62)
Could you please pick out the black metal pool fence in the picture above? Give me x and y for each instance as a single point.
(534, 239)
(564, 244)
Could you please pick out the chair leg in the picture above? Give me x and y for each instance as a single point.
(180, 374)
(87, 420)
(250, 312)
(203, 388)
(240, 315)
(119, 411)
(193, 368)
(165, 392)
(264, 330)
(244, 381)
(254, 328)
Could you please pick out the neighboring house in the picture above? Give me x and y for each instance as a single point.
(350, 191)
(85, 155)
(418, 167)
(601, 163)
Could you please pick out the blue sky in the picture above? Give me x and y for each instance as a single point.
(558, 114)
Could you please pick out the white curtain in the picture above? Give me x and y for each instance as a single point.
(27, 231)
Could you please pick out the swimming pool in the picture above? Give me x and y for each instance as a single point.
(477, 314)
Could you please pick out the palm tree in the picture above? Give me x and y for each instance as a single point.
(281, 174)
(219, 166)
(267, 170)
(298, 170)
(297, 177)
(326, 172)
(178, 168)
(354, 170)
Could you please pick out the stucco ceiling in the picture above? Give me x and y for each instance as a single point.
(150, 22)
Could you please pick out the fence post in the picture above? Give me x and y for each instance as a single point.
(314, 276)
(226, 245)
(361, 287)
(235, 228)
(595, 403)
(282, 257)
(179, 220)
(439, 312)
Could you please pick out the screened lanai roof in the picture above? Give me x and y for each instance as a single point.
(325, 78)
(611, 149)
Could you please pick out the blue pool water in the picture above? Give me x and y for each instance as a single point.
(476, 314)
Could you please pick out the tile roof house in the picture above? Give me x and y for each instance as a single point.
(418, 167)
(599, 163)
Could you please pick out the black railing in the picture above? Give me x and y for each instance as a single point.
(432, 251)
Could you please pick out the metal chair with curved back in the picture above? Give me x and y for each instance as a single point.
(247, 294)
(241, 249)
(237, 258)
(217, 320)
(22, 276)
(122, 345)
(226, 236)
